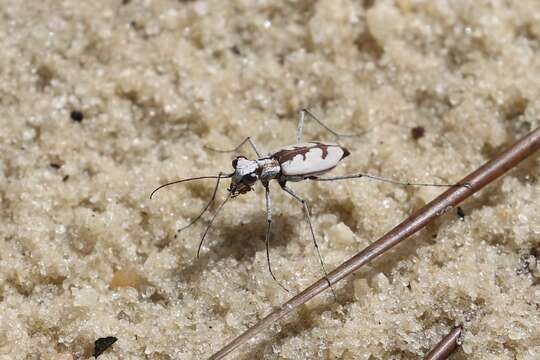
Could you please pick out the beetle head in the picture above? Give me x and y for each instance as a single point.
(245, 175)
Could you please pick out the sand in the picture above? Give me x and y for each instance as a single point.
(102, 101)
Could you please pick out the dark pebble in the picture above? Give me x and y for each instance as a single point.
(102, 344)
(77, 116)
(417, 132)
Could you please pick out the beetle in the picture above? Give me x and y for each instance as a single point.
(291, 163)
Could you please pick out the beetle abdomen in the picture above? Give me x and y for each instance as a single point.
(309, 158)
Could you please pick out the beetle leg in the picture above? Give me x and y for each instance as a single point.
(301, 116)
(267, 239)
(308, 219)
(220, 176)
(248, 140)
(381, 178)
(211, 222)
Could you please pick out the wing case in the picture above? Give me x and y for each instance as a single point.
(309, 158)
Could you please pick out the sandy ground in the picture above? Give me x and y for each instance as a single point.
(101, 101)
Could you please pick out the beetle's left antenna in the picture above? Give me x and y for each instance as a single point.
(218, 177)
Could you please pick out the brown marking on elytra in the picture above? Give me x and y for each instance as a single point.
(289, 154)
(323, 147)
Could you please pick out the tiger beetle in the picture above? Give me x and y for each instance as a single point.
(291, 163)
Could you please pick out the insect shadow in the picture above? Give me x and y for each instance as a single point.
(240, 241)
(291, 163)
(239, 238)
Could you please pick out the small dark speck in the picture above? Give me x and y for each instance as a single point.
(77, 116)
(65, 178)
(125, 2)
(235, 50)
(210, 326)
(55, 166)
(434, 236)
(460, 213)
(417, 132)
(102, 344)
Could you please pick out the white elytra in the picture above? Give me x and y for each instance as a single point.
(313, 158)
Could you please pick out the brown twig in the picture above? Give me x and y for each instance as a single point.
(446, 201)
(446, 346)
